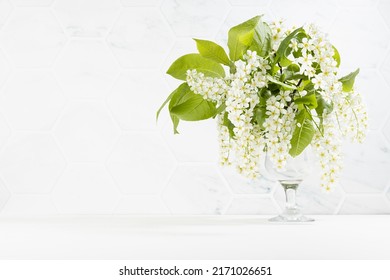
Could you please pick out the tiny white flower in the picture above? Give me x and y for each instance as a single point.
(294, 45)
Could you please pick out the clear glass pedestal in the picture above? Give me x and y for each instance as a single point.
(290, 177)
(292, 212)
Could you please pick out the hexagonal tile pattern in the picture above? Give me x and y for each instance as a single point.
(141, 205)
(31, 206)
(320, 12)
(4, 68)
(92, 101)
(367, 204)
(140, 38)
(373, 95)
(358, 3)
(86, 69)
(384, 8)
(252, 206)
(32, 100)
(385, 69)
(197, 141)
(135, 3)
(31, 163)
(140, 163)
(349, 27)
(241, 185)
(86, 132)
(128, 101)
(32, 3)
(262, 3)
(4, 196)
(386, 130)
(5, 10)
(367, 165)
(32, 37)
(85, 189)
(5, 131)
(196, 189)
(87, 18)
(182, 16)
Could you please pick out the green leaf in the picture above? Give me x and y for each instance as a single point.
(262, 39)
(228, 124)
(261, 109)
(195, 109)
(281, 55)
(175, 122)
(293, 68)
(292, 73)
(309, 100)
(178, 96)
(349, 80)
(252, 34)
(260, 115)
(195, 61)
(240, 38)
(336, 55)
(274, 68)
(163, 105)
(220, 109)
(322, 106)
(276, 81)
(188, 106)
(303, 133)
(306, 85)
(213, 51)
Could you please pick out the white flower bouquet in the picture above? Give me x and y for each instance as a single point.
(277, 92)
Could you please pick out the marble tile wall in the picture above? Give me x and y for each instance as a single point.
(80, 81)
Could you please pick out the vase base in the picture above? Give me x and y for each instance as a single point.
(291, 219)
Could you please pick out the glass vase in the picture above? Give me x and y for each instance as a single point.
(290, 177)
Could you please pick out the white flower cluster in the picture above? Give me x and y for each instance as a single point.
(278, 31)
(316, 53)
(241, 99)
(351, 115)
(279, 127)
(328, 149)
(225, 143)
(240, 93)
(212, 89)
(349, 112)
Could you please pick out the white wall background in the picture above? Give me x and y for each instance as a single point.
(81, 81)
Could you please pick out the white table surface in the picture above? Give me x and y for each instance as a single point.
(194, 237)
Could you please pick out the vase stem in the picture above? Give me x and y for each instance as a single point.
(291, 213)
(291, 191)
